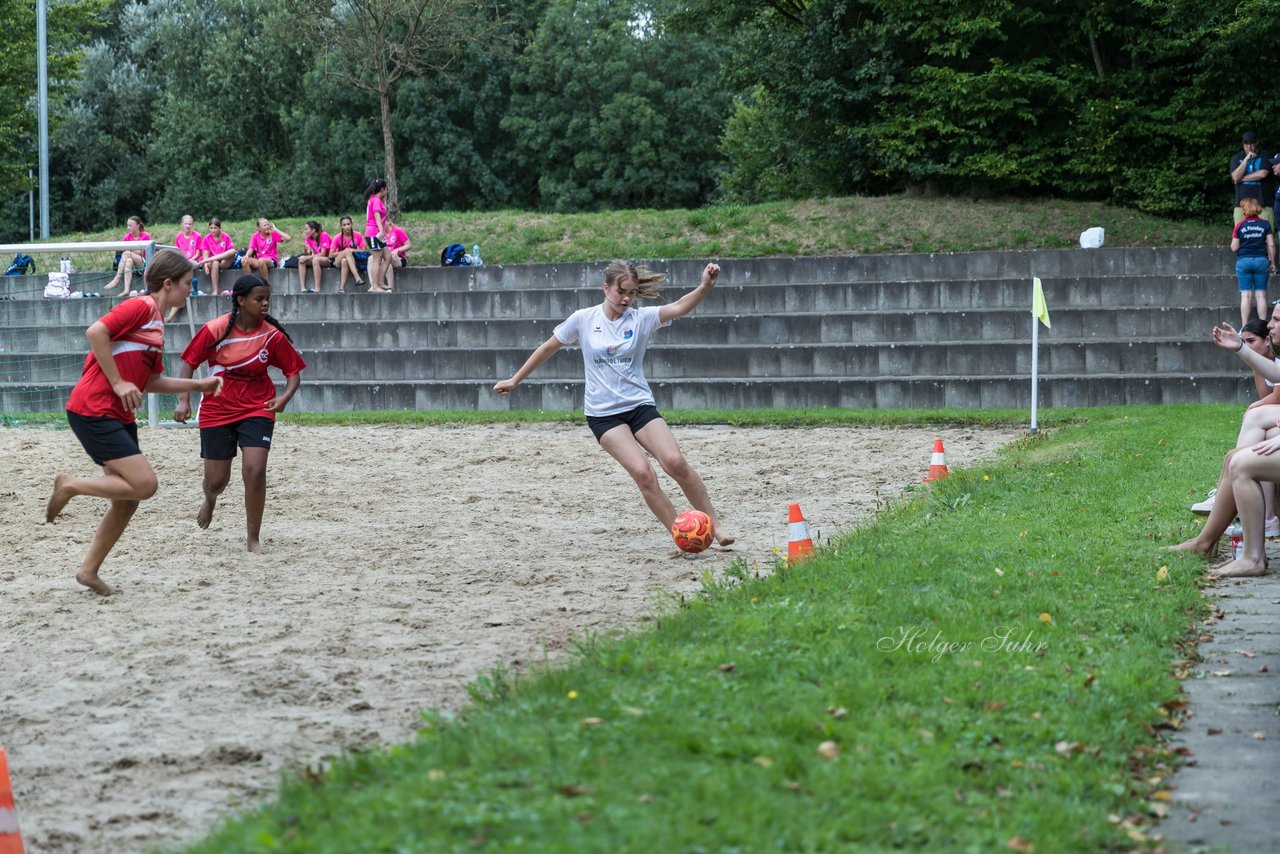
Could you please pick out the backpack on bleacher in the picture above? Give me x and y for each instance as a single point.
(23, 265)
(454, 255)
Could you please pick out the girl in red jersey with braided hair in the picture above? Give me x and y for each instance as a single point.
(125, 359)
(239, 348)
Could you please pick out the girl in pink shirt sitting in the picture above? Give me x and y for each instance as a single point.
(342, 252)
(218, 250)
(128, 260)
(189, 242)
(398, 247)
(263, 254)
(315, 254)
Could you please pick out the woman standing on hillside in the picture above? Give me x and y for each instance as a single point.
(128, 260)
(375, 237)
(619, 405)
(239, 347)
(126, 356)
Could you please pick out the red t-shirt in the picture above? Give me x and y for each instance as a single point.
(137, 344)
(241, 359)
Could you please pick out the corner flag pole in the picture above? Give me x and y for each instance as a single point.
(1039, 314)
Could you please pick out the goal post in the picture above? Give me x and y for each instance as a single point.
(42, 343)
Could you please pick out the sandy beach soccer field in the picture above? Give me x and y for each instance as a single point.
(402, 563)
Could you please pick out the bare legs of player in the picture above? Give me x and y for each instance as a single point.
(253, 470)
(124, 482)
(656, 438)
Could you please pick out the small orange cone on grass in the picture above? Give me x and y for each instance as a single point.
(799, 544)
(938, 464)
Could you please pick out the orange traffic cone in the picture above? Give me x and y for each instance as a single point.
(799, 545)
(10, 839)
(937, 465)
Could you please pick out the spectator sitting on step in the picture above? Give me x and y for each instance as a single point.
(263, 254)
(1254, 244)
(315, 254)
(342, 251)
(218, 251)
(1250, 170)
(398, 245)
(128, 261)
(190, 243)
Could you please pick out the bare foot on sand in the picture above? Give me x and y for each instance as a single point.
(1238, 569)
(255, 547)
(205, 516)
(725, 539)
(58, 500)
(94, 583)
(1193, 545)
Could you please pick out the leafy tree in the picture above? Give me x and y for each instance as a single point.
(611, 109)
(68, 24)
(377, 44)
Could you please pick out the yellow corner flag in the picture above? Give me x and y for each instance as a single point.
(1039, 308)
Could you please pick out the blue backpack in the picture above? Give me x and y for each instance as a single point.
(22, 265)
(454, 255)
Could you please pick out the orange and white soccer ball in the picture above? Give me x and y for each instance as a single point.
(692, 531)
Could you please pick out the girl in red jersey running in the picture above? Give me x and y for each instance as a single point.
(239, 347)
(619, 404)
(125, 359)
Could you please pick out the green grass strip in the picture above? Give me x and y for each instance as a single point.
(703, 732)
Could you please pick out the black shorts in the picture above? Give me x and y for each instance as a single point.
(104, 439)
(220, 443)
(373, 244)
(633, 418)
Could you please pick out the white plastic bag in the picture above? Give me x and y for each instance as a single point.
(59, 286)
(1093, 238)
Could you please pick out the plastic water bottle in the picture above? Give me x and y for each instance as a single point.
(1237, 539)
(475, 256)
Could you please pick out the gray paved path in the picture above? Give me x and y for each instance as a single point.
(1229, 799)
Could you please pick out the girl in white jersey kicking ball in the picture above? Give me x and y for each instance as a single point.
(619, 405)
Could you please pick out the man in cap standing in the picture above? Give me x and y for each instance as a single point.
(1251, 172)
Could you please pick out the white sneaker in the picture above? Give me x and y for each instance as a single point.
(1204, 508)
(1273, 527)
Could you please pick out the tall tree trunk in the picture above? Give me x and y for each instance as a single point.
(389, 151)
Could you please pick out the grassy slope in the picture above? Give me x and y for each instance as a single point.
(841, 226)
(956, 754)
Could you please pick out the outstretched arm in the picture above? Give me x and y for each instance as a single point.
(689, 301)
(1228, 339)
(160, 384)
(545, 351)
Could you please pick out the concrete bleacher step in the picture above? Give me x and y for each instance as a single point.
(1130, 323)
(1009, 391)
(1146, 293)
(1129, 326)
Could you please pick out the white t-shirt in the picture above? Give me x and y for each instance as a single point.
(613, 354)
